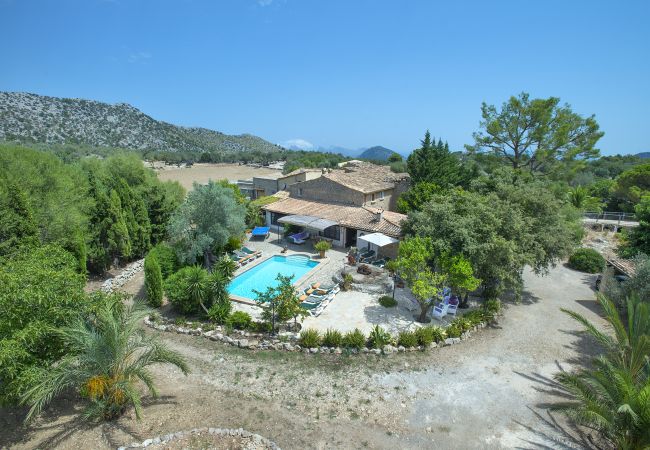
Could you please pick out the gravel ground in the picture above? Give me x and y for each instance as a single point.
(488, 392)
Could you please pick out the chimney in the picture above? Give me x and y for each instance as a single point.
(379, 214)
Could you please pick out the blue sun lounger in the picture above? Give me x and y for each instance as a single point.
(261, 231)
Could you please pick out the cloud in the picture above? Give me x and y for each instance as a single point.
(298, 144)
(139, 57)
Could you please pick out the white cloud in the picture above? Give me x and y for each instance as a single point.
(136, 57)
(298, 144)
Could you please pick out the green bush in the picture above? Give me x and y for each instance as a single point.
(453, 330)
(166, 257)
(493, 306)
(332, 338)
(240, 320)
(587, 260)
(187, 287)
(153, 281)
(424, 336)
(347, 282)
(387, 301)
(437, 333)
(220, 312)
(407, 339)
(379, 337)
(309, 338)
(477, 316)
(354, 339)
(322, 246)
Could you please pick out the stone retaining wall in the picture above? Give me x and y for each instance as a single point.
(123, 277)
(253, 341)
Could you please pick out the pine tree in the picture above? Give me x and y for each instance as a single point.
(433, 163)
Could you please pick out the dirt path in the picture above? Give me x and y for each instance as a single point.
(484, 393)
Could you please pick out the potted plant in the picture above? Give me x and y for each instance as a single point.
(321, 247)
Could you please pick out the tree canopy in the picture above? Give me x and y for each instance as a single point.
(207, 219)
(434, 163)
(535, 134)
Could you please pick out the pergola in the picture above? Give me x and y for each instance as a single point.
(377, 240)
(311, 222)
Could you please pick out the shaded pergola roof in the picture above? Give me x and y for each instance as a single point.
(315, 223)
(378, 239)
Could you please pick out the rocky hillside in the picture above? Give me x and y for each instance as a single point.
(51, 120)
(377, 152)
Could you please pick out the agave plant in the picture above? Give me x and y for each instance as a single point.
(613, 397)
(108, 355)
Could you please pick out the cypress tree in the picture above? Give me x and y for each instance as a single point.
(17, 224)
(119, 242)
(153, 281)
(433, 163)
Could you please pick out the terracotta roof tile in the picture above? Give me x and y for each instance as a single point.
(361, 218)
(365, 177)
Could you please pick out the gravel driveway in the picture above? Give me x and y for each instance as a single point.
(483, 393)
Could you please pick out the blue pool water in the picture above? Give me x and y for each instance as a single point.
(263, 275)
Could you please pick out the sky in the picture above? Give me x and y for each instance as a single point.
(350, 73)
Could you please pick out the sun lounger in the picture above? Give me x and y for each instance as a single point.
(261, 232)
(366, 256)
(299, 238)
(379, 262)
(249, 251)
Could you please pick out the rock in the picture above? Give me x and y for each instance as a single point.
(401, 349)
(155, 440)
(388, 349)
(313, 350)
(242, 343)
(278, 346)
(434, 345)
(376, 351)
(338, 350)
(305, 350)
(288, 347)
(365, 350)
(297, 348)
(147, 442)
(324, 350)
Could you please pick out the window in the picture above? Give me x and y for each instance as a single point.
(372, 197)
(299, 192)
(333, 232)
(381, 195)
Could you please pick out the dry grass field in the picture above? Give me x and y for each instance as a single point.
(201, 173)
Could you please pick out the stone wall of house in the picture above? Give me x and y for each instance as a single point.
(400, 187)
(378, 202)
(325, 190)
(267, 185)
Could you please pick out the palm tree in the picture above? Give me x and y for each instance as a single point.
(579, 197)
(629, 348)
(613, 397)
(108, 354)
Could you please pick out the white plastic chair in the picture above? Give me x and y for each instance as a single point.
(440, 311)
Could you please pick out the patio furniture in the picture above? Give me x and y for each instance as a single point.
(440, 311)
(366, 255)
(262, 232)
(379, 262)
(299, 238)
(244, 256)
(452, 305)
(248, 251)
(329, 290)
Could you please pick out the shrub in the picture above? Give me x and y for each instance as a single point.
(424, 336)
(234, 243)
(153, 281)
(322, 246)
(453, 330)
(309, 338)
(347, 282)
(187, 288)
(166, 257)
(463, 323)
(220, 312)
(477, 316)
(407, 339)
(354, 339)
(332, 338)
(437, 333)
(240, 320)
(379, 337)
(492, 306)
(387, 301)
(587, 260)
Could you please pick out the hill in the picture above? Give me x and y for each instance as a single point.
(377, 153)
(643, 155)
(31, 118)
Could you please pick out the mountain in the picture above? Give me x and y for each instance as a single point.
(643, 155)
(28, 118)
(377, 153)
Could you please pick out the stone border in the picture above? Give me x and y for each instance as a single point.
(123, 277)
(254, 341)
(214, 431)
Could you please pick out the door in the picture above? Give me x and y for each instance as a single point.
(350, 237)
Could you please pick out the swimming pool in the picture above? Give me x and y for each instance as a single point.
(263, 275)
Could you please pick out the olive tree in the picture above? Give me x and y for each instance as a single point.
(206, 220)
